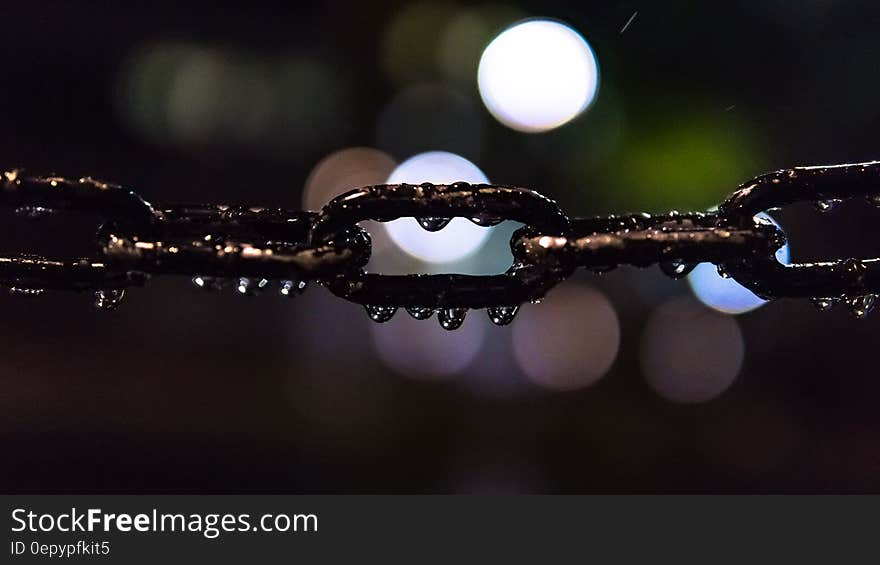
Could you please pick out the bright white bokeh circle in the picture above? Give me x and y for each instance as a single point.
(460, 237)
(725, 294)
(537, 75)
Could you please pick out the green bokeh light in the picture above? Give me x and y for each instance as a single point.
(690, 163)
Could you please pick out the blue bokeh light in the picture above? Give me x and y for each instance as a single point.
(725, 294)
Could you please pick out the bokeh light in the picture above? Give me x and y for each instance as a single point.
(568, 342)
(725, 294)
(495, 373)
(346, 407)
(192, 103)
(580, 151)
(421, 349)
(466, 35)
(690, 354)
(460, 237)
(343, 170)
(689, 163)
(409, 42)
(722, 294)
(213, 96)
(537, 75)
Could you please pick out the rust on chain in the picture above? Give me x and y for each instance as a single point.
(246, 247)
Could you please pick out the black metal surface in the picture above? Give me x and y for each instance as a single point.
(519, 285)
(484, 203)
(139, 240)
(851, 279)
(643, 239)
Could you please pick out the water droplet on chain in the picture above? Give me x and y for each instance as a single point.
(722, 272)
(420, 312)
(208, 283)
(602, 269)
(861, 306)
(33, 212)
(292, 287)
(677, 269)
(855, 268)
(25, 291)
(824, 304)
(380, 314)
(502, 315)
(827, 205)
(433, 224)
(250, 287)
(451, 318)
(109, 298)
(486, 221)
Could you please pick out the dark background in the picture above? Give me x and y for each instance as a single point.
(184, 391)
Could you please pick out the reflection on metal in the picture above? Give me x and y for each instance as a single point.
(255, 245)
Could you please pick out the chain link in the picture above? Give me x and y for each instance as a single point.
(249, 246)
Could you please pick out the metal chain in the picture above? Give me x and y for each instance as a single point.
(248, 247)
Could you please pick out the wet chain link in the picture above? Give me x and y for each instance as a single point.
(250, 248)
